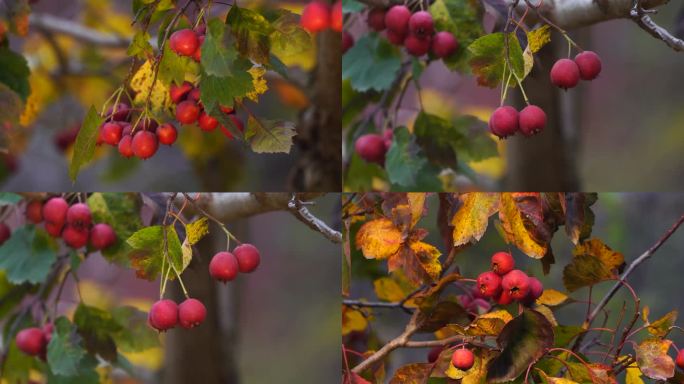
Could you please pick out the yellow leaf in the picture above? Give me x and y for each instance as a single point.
(428, 256)
(142, 82)
(544, 310)
(539, 37)
(514, 228)
(378, 239)
(196, 230)
(417, 205)
(42, 93)
(471, 219)
(551, 297)
(596, 248)
(477, 373)
(633, 375)
(555, 380)
(352, 320)
(260, 85)
(394, 288)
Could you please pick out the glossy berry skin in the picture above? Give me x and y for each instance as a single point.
(316, 16)
(187, 112)
(535, 291)
(191, 313)
(589, 64)
(504, 298)
(680, 359)
(126, 146)
(224, 267)
(102, 236)
(207, 123)
(347, 41)
(184, 42)
(167, 134)
(376, 19)
(179, 92)
(5, 233)
(75, 237)
(248, 257)
(502, 263)
(504, 121)
(31, 341)
(34, 211)
(397, 19)
(336, 16)
(463, 359)
(111, 133)
(195, 95)
(433, 355)
(489, 284)
(565, 74)
(55, 210)
(421, 24)
(119, 112)
(54, 229)
(444, 44)
(163, 315)
(516, 283)
(197, 56)
(417, 46)
(396, 38)
(371, 147)
(145, 144)
(531, 120)
(78, 215)
(149, 125)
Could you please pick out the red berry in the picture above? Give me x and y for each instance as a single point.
(126, 146)
(195, 96)
(191, 313)
(31, 341)
(531, 120)
(248, 257)
(336, 16)
(444, 44)
(371, 147)
(78, 215)
(149, 125)
(197, 56)
(187, 112)
(224, 267)
(184, 42)
(347, 41)
(421, 24)
(396, 38)
(504, 121)
(163, 315)
(502, 263)
(145, 144)
(102, 236)
(167, 134)
(680, 359)
(75, 237)
(48, 329)
(316, 16)
(516, 283)
(118, 112)
(5, 233)
(417, 46)
(207, 123)
(397, 19)
(376, 19)
(34, 211)
(535, 291)
(504, 298)
(463, 359)
(489, 284)
(433, 355)
(111, 133)
(55, 210)
(589, 64)
(565, 74)
(227, 110)
(387, 136)
(54, 229)
(201, 29)
(179, 92)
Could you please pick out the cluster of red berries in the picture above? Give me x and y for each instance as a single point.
(189, 109)
(504, 284)
(506, 121)
(224, 266)
(72, 223)
(567, 73)
(372, 147)
(318, 15)
(166, 314)
(34, 341)
(188, 42)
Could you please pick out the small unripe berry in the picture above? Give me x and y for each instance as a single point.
(34, 211)
(78, 215)
(489, 284)
(532, 120)
(207, 123)
(126, 146)
(371, 147)
(376, 19)
(336, 16)
(179, 92)
(397, 19)
(347, 41)
(516, 283)
(504, 121)
(248, 257)
(54, 229)
(589, 64)
(75, 237)
(5, 233)
(184, 42)
(191, 313)
(163, 315)
(444, 44)
(417, 46)
(224, 267)
(102, 236)
(433, 355)
(396, 38)
(565, 74)
(535, 291)
(111, 133)
(502, 263)
(463, 359)
(680, 359)
(316, 16)
(187, 112)
(31, 341)
(145, 144)
(55, 210)
(167, 134)
(421, 24)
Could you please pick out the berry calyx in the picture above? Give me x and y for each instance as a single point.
(516, 283)
(680, 359)
(163, 315)
(184, 42)
(336, 16)
(565, 74)
(5, 233)
(167, 134)
(248, 257)
(207, 123)
(55, 210)
(187, 112)
(224, 267)
(34, 211)
(397, 19)
(504, 121)
(78, 215)
(417, 46)
(589, 64)
(489, 284)
(531, 120)
(191, 313)
(145, 144)
(371, 147)
(316, 16)
(463, 359)
(179, 92)
(31, 341)
(502, 263)
(126, 146)
(75, 237)
(444, 44)
(421, 24)
(102, 236)
(347, 41)
(376, 19)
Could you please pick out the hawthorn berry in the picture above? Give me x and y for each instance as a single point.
(48, 328)
(224, 267)
(434, 353)
(504, 298)
(184, 42)
(516, 283)
(102, 236)
(531, 120)
(421, 24)
(163, 315)
(502, 263)
(388, 136)
(197, 56)
(145, 144)
(397, 19)
(75, 237)
(126, 146)
(589, 64)
(680, 359)
(371, 147)
(195, 95)
(376, 19)
(207, 123)
(167, 134)
(444, 44)
(111, 133)
(248, 257)
(31, 341)
(227, 110)
(417, 46)
(179, 92)
(347, 41)
(316, 16)
(119, 112)
(565, 74)
(463, 359)
(535, 291)
(34, 211)
(187, 112)
(396, 38)
(5, 233)
(336, 16)
(149, 125)
(55, 210)
(191, 313)
(78, 215)
(54, 229)
(489, 284)
(504, 121)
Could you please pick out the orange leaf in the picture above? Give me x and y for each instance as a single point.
(378, 239)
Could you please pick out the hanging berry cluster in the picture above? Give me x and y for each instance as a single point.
(318, 16)
(504, 284)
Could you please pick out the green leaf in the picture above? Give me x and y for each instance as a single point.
(463, 18)
(488, 59)
(352, 6)
(14, 72)
(140, 46)
(147, 252)
(465, 138)
(17, 365)
(360, 174)
(84, 148)
(224, 90)
(173, 67)
(64, 353)
(86, 373)
(267, 136)
(8, 198)
(251, 31)
(372, 63)
(120, 211)
(288, 38)
(97, 327)
(404, 159)
(217, 60)
(135, 334)
(11, 106)
(28, 255)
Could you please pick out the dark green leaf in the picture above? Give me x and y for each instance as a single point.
(360, 174)
(140, 46)
(251, 31)
(372, 63)
(217, 59)
(489, 62)
(14, 72)
(404, 159)
(120, 211)
(352, 6)
(84, 148)
(28, 255)
(8, 198)
(147, 252)
(64, 353)
(463, 18)
(172, 68)
(97, 328)
(11, 106)
(135, 334)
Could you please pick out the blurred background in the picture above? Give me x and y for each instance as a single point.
(629, 223)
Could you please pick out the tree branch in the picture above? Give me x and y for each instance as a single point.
(299, 210)
(643, 20)
(53, 24)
